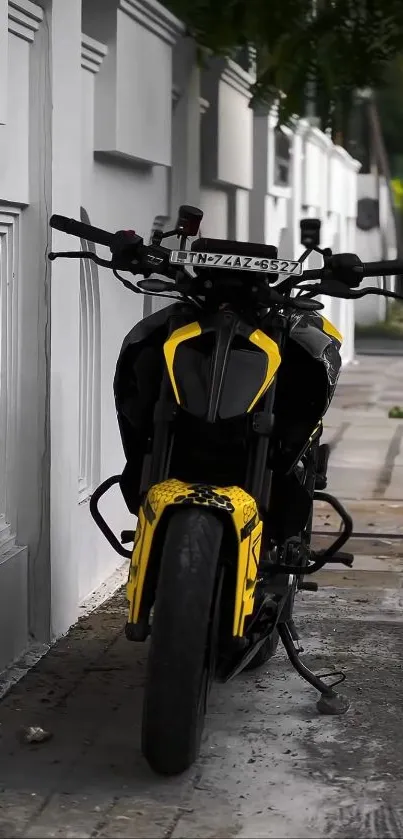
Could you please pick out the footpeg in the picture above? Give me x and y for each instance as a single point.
(343, 558)
(339, 558)
(326, 557)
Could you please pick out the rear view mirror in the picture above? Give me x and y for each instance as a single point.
(189, 220)
(310, 232)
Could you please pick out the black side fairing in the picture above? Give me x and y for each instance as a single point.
(139, 371)
(306, 383)
(136, 386)
(307, 331)
(143, 330)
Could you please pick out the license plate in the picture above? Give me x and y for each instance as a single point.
(236, 263)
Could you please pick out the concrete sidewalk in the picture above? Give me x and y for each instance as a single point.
(367, 454)
(270, 766)
(366, 467)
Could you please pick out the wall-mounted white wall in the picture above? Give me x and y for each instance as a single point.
(373, 244)
(226, 150)
(124, 162)
(24, 327)
(81, 130)
(117, 192)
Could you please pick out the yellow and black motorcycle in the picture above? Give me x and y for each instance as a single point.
(220, 399)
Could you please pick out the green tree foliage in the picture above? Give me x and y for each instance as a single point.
(319, 48)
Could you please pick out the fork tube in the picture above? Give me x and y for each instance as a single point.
(161, 449)
(259, 481)
(164, 416)
(259, 477)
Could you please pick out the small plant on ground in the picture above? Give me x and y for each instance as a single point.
(396, 412)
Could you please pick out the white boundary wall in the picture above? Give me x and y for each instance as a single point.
(102, 107)
(375, 244)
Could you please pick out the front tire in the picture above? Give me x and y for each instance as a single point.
(265, 653)
(179, 662)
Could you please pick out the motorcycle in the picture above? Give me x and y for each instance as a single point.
(220, 400)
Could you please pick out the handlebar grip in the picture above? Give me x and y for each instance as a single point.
(386, 268)
(83, 231)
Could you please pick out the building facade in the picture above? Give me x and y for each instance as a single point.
(105, 115)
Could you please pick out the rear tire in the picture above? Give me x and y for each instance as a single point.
(179, 662)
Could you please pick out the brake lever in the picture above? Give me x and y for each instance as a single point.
(334, 288)
(379, 291)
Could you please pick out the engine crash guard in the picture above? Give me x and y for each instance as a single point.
(99, 519)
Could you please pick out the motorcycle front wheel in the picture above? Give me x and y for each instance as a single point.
(265, 653)
(179, 668)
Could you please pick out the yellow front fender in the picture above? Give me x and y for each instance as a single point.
(231, 501)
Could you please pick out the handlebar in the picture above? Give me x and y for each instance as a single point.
(340, 276)
(383, 268)
(83, 231)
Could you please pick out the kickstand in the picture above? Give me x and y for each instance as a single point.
(330, 702)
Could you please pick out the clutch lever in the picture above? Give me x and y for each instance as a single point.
(105, 263)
